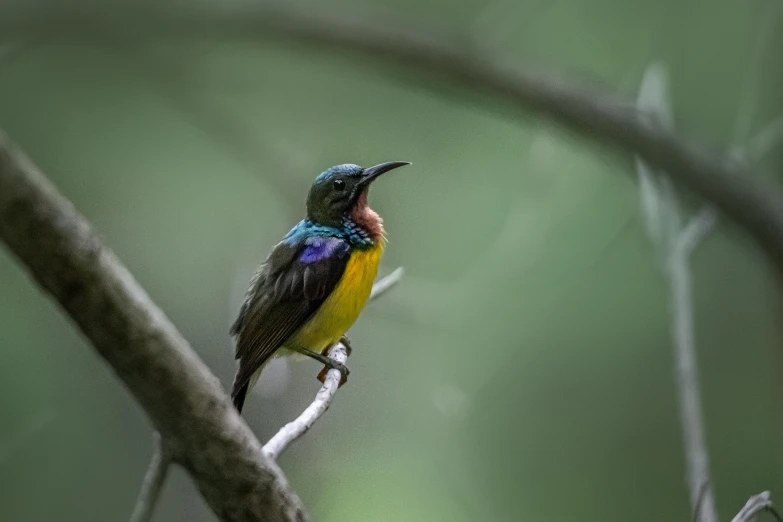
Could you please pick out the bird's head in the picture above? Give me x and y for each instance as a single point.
(342, 190)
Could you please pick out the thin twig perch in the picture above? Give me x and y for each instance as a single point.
(323, 399)
(158, 467)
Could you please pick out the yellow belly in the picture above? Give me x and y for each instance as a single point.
(341, 309)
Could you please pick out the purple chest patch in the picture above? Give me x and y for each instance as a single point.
(320, 248)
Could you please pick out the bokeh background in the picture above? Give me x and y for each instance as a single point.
(523, 369)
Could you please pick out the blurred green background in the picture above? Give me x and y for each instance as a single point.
(522, 370)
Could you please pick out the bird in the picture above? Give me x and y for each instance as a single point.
(313, 285)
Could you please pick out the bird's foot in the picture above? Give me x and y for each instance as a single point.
(331, 365)
(347, 343)
(328, 363)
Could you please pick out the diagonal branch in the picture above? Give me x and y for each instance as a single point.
(754, 203)
(754, 506)
(323, 399)
(183, 399)
(158, 467)
(386, 283)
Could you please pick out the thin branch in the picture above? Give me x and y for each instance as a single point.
(754, 506)
(323, 399)
(387, 283)
(183, 399)
(698, 228)
(651, 101)
(153, 482)
(753, 202)
(675, 242)
(699, 499)
(687, 378)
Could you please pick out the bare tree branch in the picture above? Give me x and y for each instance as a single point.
(183, 399)
(298, 427)
(158, 467)
(675, 242)
(697, 229)
(755, 505)
(754, 203)
(687, 379)
(387, 283)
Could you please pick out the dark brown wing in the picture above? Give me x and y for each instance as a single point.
(284, 294)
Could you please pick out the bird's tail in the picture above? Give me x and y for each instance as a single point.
(238, 397)
(239, 391)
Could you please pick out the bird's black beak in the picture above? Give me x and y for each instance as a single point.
(371, 173)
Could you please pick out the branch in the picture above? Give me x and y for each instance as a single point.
(663, 216)
(754, 506)
(687, 379)
(158, 467)
(387, 283)
(183, 399)
(754, 203)
(323, 399)
(698, 228)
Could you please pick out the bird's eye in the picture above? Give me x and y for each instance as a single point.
(339, 185)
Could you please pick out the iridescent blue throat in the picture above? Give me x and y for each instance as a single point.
(354, 234)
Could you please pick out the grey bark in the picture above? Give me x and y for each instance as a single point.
(184, 400)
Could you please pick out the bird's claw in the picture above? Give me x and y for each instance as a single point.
(332, 365)
(328, 362)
